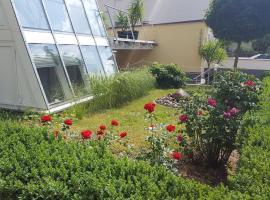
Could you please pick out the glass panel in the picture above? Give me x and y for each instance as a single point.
(107, 60)
(50, 71)
(58, 15)
(92, 60)
(94, 18)
(75, 67)
(78, 16)
(31, 14)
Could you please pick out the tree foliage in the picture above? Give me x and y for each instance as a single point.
(262, 45)
(213, 52)
(135, 11)
(239, 20)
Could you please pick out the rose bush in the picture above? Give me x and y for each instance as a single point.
(212, 123)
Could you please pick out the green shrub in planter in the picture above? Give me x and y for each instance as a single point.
(168, 76)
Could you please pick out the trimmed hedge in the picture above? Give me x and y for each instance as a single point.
(35, 167)
(253, 175)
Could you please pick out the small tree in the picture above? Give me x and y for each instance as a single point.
(213, 52)
(239, 21)
(262, 45)
(122, 20)
(135, 11)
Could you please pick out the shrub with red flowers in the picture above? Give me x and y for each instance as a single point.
(212, 123)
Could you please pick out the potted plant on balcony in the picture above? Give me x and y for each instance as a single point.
(135, 14)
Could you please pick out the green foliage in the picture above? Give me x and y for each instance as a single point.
(213, 52)
(135, 12)
(114, 91)
(213, 125)
(253, 175)
(122, 20)
(168, 76)
(35, 167)
(262, 45)
(239, 20)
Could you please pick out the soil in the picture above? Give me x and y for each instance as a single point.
(210, 176)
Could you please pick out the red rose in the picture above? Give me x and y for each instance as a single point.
(68, 122)
(183, 118)
(176, 155)
(170, 128)
(234, 111)
(86, 134)
(100, 132)
(249, 83)
(212, 102)
(46, 118)
(150, 107)
(123, 134)
(102, 127)
(180, 138)
(114, 122)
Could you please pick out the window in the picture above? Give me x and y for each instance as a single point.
(94, 18)
(107, 59)
(58, 15)
(51, 72)
(75, 67)
(31, 14)
(92, 60)
(78, 16)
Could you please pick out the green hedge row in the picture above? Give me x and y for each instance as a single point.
(34, 167)
(253, 175)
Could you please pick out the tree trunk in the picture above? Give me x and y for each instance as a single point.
(237, 51)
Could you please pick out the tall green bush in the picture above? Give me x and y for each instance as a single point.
(114, 91)
(168, 76)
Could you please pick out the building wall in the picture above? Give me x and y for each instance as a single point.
(177, 43)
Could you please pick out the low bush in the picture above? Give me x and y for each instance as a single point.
(114, 91)
(32, 166)
(253, 175)
(168, 76)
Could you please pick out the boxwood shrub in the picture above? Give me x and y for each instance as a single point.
(35, 167)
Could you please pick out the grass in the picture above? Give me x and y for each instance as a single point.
(131, 116)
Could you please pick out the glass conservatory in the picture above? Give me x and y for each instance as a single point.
(52, 46)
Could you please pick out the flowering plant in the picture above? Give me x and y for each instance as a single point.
(212, 123)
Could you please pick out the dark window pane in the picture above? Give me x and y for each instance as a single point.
(92, 60)
(107, 59)
(31, 14)
(51, 72)
(78, 16)
(75, 67)
(58, 15)
(94, 18)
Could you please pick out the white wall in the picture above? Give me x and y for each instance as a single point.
(243, 63)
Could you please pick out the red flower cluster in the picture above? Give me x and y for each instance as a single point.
(231, 113)
(46, 118)
(180, 138)
(102, 127)
(123, 134)
(86, 134)
(249, 83)
(68, 122)
(114, 122)
(150, 107)
(183, 118)
(212, 102)
(170, 128)
(176, 155)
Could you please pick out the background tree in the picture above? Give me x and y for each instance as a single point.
(239, 20)
(262, 45)
(213, 52)
(135, 11)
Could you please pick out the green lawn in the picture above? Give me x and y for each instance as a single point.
(131, 117)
